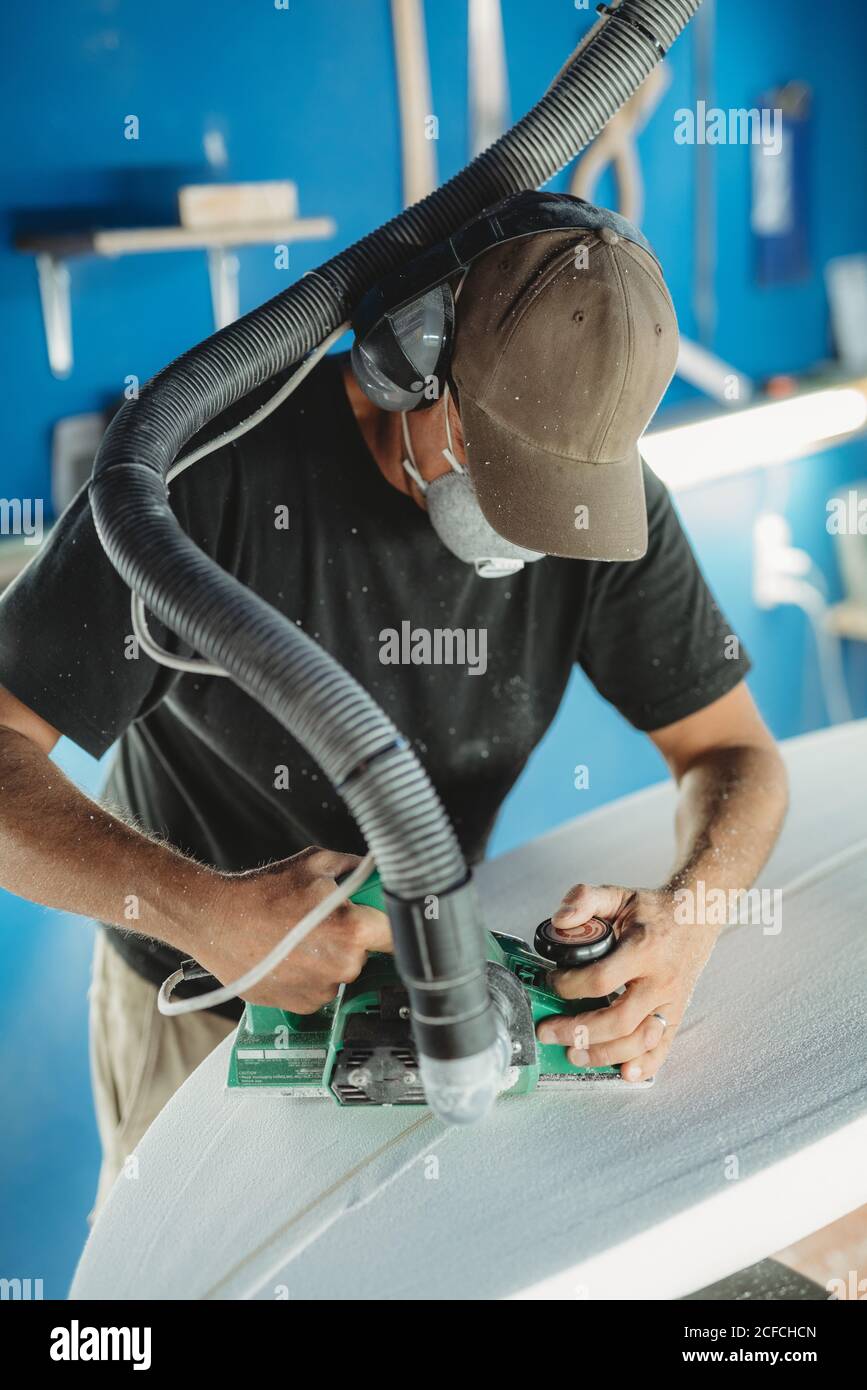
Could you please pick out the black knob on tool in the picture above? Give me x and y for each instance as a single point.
(578, 946)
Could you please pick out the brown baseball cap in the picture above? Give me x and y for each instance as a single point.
(565, 342)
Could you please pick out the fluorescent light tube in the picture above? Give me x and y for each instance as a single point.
(756, 437)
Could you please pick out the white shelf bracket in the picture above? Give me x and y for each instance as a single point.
(53, 276)
(223, 267)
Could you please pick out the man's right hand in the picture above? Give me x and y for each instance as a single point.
(253, 910)
(59, 848)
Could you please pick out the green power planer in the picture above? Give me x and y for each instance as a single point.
(359, 1049)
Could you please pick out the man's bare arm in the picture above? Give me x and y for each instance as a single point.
(61, 849)
(733, 792)
(732, 802)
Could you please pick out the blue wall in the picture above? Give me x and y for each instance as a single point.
(309, 94)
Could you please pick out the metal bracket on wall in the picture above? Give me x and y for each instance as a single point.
(56, 312)
(223, 268)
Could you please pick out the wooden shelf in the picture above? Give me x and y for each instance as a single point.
(53, 250)
(131, 241)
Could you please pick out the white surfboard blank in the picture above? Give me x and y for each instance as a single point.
(754, 1135)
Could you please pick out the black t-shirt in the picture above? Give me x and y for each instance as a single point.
(298, 510)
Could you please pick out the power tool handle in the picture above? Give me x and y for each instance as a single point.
(370, 892)
(368, 895)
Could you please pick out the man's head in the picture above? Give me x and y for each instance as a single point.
(564, 345)
(557, 353)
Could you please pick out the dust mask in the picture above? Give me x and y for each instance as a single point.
(457, 518)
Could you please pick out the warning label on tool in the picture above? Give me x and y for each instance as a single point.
(277, 1066)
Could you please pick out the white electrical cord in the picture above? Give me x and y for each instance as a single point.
(172, 1007)
(158, 654)
(139, 617)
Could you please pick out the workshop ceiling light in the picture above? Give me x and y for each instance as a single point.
(756, 437)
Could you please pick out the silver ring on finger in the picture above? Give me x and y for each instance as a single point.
(663, 1020)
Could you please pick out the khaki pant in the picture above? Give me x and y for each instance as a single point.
(138, 1058)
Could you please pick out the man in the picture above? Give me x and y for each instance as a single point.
(559, 362)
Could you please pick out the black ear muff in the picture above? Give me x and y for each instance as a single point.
(402, 362)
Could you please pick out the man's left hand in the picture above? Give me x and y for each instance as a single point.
(657, 961)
